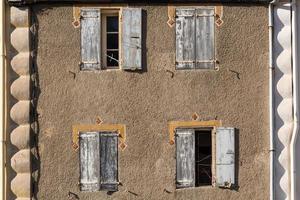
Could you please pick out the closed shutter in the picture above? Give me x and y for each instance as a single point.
(185, 158)
(225, 157)
(109, 161)
(131, 38)
(89, 161)
(205, 26)
(90, 39)
(185, 38)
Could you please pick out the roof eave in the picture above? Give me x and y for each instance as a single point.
(28, 2)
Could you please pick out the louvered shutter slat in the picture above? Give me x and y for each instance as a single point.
(109, 161)
(89, 161)
(205, 55)
(90, 39)
(131, 38)
(225, 157)
(185, 158)
(185, 38)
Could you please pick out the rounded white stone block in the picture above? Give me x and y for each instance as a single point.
(20, 88)
(284, 64)
(20, 162)
(20, 112)
(19, 39)
(283, 38)
(21, 63)
(20, 136)
(21, 185)
(284, 86)
(19, 17)
(282, 13)
(284, 110)
(284, 181)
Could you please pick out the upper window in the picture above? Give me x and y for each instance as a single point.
(110, 39)
(98, 161)
(195, 45)
(202, 159)
(108, 42)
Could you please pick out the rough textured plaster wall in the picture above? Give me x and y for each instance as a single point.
(145, 102)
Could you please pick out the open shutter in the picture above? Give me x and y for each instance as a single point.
(225, 157)
(185, 158)
(109, 161)
(131, 38)
(89, 161)
(185, 38)
(205, 28)
(90, 39)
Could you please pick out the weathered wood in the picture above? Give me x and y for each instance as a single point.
(131, 38)
(185, 158)
(90, 39)
(109, 161)
(185, 38)
(205, 38)
(89, 161)
(225, 157)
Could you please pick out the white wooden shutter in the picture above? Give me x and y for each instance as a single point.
(109, 161)
(225, 157)
(185, 158)
(205, 41)
(131, 38)
(89, 161)
(185, 38)
(90, 39)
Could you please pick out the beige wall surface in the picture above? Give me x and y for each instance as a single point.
(146, 102)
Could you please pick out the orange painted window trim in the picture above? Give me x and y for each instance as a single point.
(173, 125)
(119, 128)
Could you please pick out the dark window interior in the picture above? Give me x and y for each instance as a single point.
(203, 157)
(112, 42)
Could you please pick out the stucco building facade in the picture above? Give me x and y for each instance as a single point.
(68, 85)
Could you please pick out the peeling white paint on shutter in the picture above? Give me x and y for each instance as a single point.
(89, 161)
(131, 38)
(185, 158)
(225, 157)
(185, 38)
(90, 39)
(205, 33)
(109, 161)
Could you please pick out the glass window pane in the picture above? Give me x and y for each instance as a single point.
(112, 58)
(112, 41)
(112, 24)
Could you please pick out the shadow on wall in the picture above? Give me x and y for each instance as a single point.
(35, 96)
(237, 159)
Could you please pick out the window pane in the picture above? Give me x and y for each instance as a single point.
(203, 159)
(112, 24)
(112, 58)
(112, 41)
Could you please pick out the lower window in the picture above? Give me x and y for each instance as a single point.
(98, 161)
(205, 156)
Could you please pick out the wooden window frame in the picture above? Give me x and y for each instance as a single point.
(212, 129)
(105, 12)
